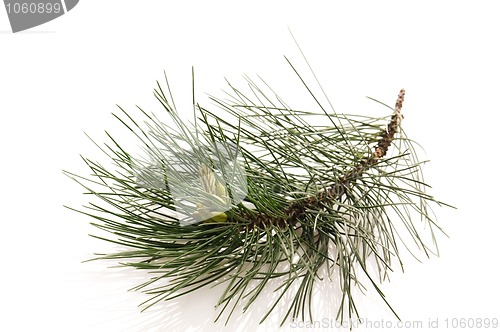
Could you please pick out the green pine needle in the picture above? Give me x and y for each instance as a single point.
(318, 196)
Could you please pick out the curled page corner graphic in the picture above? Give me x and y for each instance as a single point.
(70, 4)
(26, 15)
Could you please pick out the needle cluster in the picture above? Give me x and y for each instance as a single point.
(282, 194)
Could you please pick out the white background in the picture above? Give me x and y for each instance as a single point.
(65, 77)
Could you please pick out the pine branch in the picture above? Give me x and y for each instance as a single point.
(333, 189)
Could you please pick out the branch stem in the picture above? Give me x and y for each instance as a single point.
(298, 208)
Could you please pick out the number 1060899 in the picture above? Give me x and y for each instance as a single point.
(33, 8)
